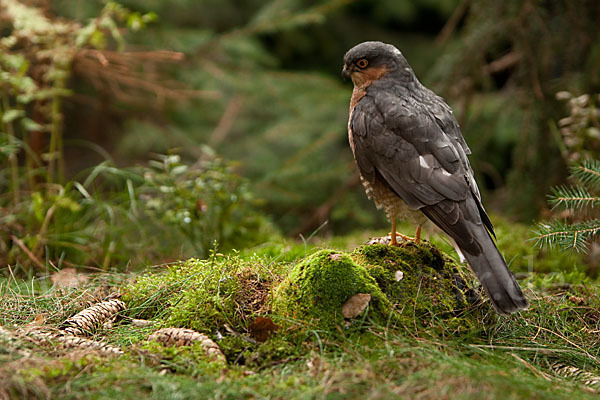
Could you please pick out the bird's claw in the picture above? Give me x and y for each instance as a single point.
(405, 239)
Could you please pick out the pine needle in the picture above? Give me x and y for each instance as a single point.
(574, 198)
(567, 236)
(588, 173)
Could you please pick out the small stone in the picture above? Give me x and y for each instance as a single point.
(563, 95)
(335, 257)
(399, 275)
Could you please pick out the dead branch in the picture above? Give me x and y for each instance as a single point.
(134, 76)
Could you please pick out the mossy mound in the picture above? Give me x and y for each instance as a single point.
(317, 287)
(422, 283)
(204, 295)
(406, 284)
(414, 286)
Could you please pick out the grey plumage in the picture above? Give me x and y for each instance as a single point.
(406, 141)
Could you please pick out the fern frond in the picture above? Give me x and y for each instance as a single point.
(568, 237)
(588, 173)
(573, 198)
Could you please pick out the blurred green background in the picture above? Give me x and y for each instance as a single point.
(140, 119)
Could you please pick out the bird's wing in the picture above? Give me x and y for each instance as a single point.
(405, 147)
(444, 118)
(409, 149)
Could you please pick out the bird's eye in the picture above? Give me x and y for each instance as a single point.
(362, 63)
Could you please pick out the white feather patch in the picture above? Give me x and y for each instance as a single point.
(461, 256)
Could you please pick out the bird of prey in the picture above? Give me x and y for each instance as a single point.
(411, 155)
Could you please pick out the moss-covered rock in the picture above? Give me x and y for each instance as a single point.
(316, 288)
(421, 282)
(414, 285)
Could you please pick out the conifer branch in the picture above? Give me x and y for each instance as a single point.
(572, 198)
(573, 236)
(588, 173)
(567, 236)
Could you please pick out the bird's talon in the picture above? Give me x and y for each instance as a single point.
(405, 239)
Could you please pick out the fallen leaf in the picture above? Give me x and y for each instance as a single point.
(355, 305)
(261, 328)
(68, 278)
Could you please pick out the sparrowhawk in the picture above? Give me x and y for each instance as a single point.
(411, 155)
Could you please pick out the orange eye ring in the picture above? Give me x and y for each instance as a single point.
(362, 63)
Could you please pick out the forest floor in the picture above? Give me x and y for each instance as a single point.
(276, 318)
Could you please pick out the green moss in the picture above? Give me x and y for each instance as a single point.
(56, 369)
(422, 283)
(317, 287)
(232, 346)
(206, 295)
(203, 295)
(230, 291)
(273, 351)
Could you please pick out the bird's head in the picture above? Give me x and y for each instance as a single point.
(369, 61)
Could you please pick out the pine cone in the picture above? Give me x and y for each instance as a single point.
(67, 341)
(568, 371)
(87, 321)
(187, 337)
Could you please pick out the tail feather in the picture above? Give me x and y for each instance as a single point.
(463, 222)
(493, 273)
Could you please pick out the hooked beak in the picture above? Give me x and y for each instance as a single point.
(347, 71)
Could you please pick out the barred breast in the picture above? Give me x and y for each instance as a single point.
(393, 205)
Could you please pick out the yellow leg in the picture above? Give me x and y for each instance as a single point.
(394, 235)
(393, 241)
